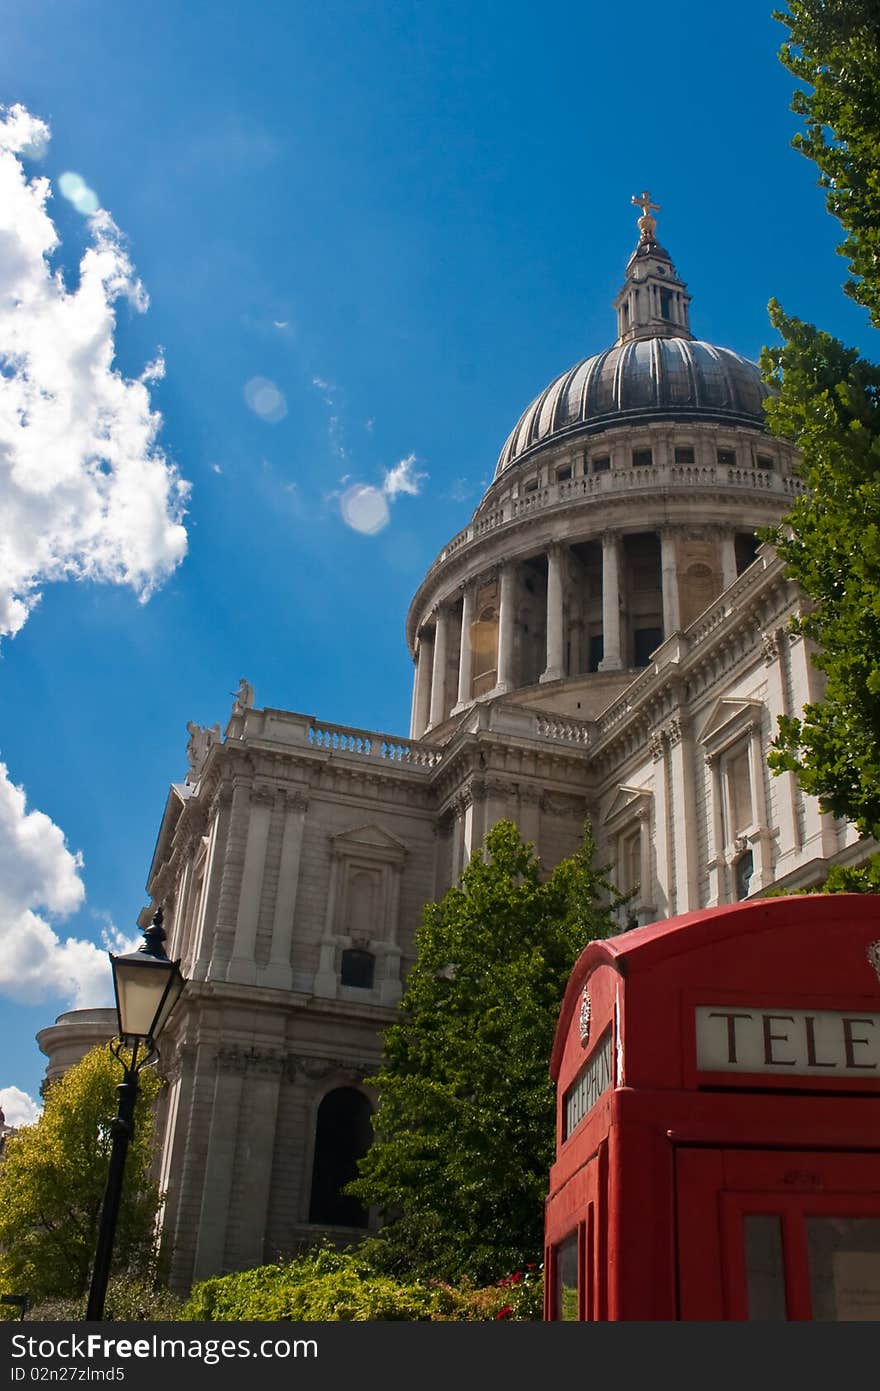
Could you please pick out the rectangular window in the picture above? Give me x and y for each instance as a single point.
(563, 474)
(531, 486)
(642, 458)
(684, 455)
(764, 461)
(645, 641)
(601, 463)
(844, 1256)
(765, 1272)
(565, 1303)
(727, 458)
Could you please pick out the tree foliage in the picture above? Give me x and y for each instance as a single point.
(52, 1182)
(829, 404)
(465, 1124)
(834, 49)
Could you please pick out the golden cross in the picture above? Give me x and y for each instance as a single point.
(643, 201)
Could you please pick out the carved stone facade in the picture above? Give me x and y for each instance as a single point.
(604, 639)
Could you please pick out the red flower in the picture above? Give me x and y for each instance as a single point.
(515, 1279)
(505, 1313)
(531, 1266)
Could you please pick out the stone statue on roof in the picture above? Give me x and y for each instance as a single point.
(244, 697)
(200, 740)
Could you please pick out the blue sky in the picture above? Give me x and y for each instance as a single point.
(405, 218)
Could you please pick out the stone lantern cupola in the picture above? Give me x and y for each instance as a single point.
(653, 301)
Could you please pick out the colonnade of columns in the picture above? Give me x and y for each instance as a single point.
(439, 691)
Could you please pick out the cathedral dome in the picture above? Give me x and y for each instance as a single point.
(663, 377)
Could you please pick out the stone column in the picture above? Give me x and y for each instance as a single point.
(662, 827)
(717, 865)
(555, 668)
(669, 571)
(728, 559)
(389, 981)
(422, 701)
(205, 912)
(820, 833)
(278, 971)
(221, 908)
(243, 966)
(466, 653)
(760, 842)
(438, 674)
(777, 703)
(504, 675)
(684, 816)
(255, 1151)
(611, 656)
(216, 1193)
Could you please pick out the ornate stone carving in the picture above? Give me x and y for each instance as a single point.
(263, 795)
(222, 798)
(316, 1069)
(295, 800)
(771, 648)
(234, 1057)
(657, 741)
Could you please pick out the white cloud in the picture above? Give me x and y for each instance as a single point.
(85, 491)
(40, 879)
(403, 478)
(18, 1108)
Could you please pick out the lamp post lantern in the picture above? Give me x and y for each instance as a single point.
(148, 986)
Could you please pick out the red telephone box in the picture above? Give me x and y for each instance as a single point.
(718, 1118)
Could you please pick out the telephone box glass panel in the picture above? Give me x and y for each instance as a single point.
(567, 1279)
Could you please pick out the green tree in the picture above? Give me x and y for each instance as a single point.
(834, 49)
(828, 404)
(52, 1180)
(465, 1123)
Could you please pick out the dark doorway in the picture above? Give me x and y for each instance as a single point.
(342, 1136)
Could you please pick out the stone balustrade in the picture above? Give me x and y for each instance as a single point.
(337, 738)
(615, 481)
(563, 729)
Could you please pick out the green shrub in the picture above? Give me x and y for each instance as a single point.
(330, 1286)
(130, 1299)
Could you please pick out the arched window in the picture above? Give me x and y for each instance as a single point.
(342, 1136)
(357, 968)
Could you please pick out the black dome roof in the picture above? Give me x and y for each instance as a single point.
(646, 379)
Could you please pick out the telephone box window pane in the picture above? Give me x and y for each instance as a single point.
(567, 1279)
(844, 1256)
(765, 1275)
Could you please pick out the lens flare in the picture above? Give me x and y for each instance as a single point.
(364, 509)
(265, 400)
(74, 188)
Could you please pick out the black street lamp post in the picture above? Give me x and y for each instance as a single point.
(147, 986)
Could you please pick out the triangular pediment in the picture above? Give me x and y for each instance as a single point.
(626, 800)
(726, 714)
(369, 839)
